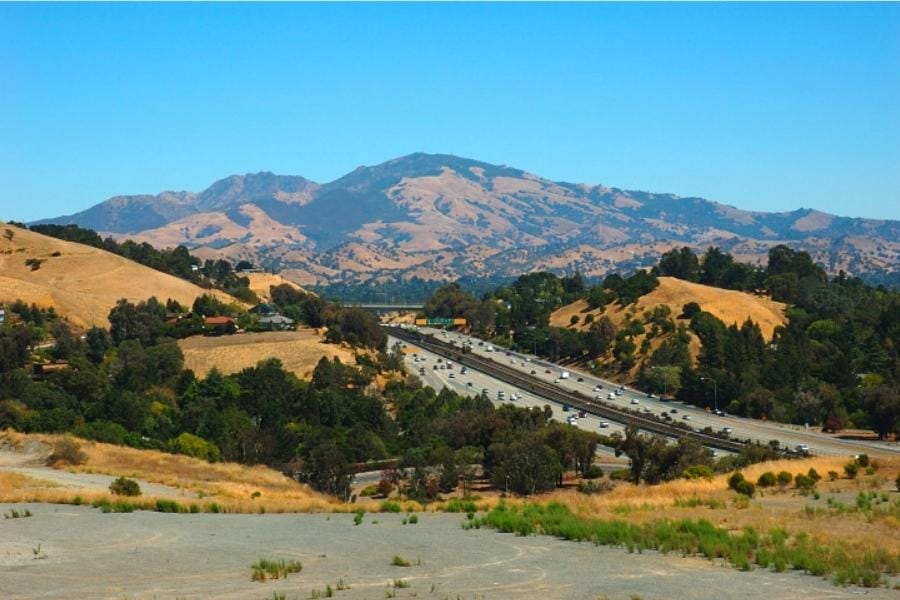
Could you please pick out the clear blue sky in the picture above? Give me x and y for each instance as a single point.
(763, 106)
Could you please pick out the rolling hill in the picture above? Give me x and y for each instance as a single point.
(729, 306)
(81, 282)
(438, 217)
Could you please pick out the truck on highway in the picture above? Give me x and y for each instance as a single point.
(564, 375)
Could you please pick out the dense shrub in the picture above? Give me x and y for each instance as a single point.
(767, 479)
(851, 469)
(195, 446)
(699, 472)
(784, 478)
(125, 487)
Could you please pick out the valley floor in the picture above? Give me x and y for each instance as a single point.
(88, 554)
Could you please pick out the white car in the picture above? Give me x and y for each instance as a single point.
(597, 388)
(686, 417)
(634, 401)
(603, 424)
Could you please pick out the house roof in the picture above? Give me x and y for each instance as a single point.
(218, 320)
(276, 319)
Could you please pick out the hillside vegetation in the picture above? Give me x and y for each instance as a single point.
(729, 306)
(80, 282)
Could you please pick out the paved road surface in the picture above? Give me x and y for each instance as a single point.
(743, 428)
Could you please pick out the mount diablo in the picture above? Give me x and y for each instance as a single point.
(441, 217)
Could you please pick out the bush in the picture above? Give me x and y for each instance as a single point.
(390, 507)
(813, 474)
(192, 445)
(832, 475)
(804, 482)
(593, 472)
(698, 472)
(735, 480)
(851, 469)
(125, 487)
(767, 479)
(862, 460)
(66, 451)
(784, 478)
(595, 487)
(746, 488)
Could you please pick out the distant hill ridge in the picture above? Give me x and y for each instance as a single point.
(437, 216)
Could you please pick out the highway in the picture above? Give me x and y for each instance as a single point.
(473, 382)
(742, 428)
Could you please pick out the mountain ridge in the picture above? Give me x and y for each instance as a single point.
(437, 216)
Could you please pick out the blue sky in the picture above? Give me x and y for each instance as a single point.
(763, 106)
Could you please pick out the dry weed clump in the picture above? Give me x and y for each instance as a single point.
(66, 452)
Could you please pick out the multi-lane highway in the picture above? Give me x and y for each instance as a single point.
(473, 382)
(763, 431)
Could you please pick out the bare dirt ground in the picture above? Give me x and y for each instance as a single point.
(298, 351)
(87, 554)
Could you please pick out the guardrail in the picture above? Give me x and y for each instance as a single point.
(572, 398)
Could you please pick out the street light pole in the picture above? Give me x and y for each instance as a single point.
(715, 393)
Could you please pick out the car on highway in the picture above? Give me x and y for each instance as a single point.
(582, 414)
(566, 408)
(598, 387)
(547, 371)
(686, 417)
(802, 448)
(452, 375)
(571, 419)
(673, 411)
(635, 401)
(727, 430)
(580, 379)
(603, 425)
(533, 372)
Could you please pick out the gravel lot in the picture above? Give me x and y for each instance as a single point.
(153, 555)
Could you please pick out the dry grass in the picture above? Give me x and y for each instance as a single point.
(298, 351)
(261, 283)
(772, 508)
(230, 485)
(82, 283)
(728, 305)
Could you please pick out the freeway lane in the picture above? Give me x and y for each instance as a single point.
(743, 428)
(440, 378)
(476, 381)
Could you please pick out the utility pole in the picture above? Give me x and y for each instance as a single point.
(715, 393)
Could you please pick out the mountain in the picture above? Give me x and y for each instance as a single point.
(81, 282)
(437, 216)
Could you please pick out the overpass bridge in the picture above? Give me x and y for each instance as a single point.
(386, 308)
